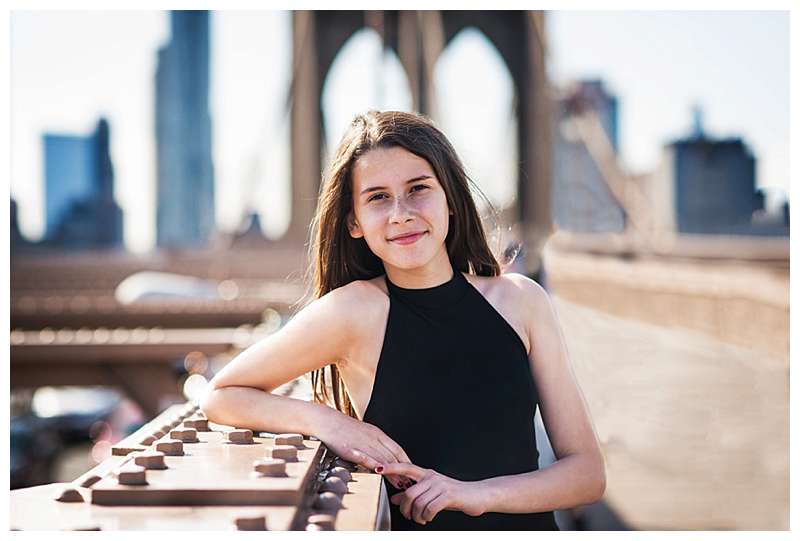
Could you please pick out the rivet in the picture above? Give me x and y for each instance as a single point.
(285, 452)
(341, 473)
(327, 501)
(253, 523)
(270, 467)
(240, 435)
(170, 447)
(132, 475)
(289, 439)
(68, 495)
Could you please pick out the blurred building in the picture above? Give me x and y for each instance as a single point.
(17, 240)
(79, 191)
(707, 186)
(582, 201)
(185, 207)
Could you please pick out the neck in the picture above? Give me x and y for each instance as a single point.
(430, 275)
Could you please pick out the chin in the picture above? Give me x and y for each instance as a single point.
(407, 261)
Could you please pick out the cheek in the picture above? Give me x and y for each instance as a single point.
(370, 222)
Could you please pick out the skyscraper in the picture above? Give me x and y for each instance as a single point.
(705, 185)
(185, 208)
(582, 201)
(80, 210)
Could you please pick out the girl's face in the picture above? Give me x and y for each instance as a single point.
(395, 193)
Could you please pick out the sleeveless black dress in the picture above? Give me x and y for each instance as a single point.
(454, 389)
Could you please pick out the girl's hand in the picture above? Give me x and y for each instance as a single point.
(433, 492)
(361, 443)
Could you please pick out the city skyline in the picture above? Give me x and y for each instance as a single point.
(251, 159)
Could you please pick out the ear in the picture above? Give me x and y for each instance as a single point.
(353, 227)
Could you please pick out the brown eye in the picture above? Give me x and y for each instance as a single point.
(374, 197)
(419, 186)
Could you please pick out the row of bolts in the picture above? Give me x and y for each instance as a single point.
(327, 502)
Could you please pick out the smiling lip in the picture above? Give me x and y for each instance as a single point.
(408, 239)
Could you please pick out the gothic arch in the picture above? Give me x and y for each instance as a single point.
(418, 38)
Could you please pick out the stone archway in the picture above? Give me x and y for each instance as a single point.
(418, 38)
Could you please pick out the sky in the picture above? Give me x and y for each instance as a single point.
(735, 65)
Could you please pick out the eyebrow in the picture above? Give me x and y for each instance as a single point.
(376, 188)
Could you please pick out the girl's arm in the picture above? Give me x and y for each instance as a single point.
(578, 475)
(321, 333)
(240, 393)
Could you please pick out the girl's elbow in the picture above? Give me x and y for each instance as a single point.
(599, 485)
(209, 403)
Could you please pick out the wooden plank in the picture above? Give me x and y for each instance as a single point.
(216, 472)
(361, 504)
(35, 509)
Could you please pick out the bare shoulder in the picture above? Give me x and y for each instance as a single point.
(520, 285)
(360, 300)
(512, 289)
(526, 297)
(359, 294)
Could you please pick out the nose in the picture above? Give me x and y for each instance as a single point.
(400, 211)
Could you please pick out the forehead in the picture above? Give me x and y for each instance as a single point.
(388, 166)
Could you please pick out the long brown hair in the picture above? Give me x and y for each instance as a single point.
(338, 259)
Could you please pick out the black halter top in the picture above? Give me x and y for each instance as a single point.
(454, 389)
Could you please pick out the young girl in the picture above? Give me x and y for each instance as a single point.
(437, 361)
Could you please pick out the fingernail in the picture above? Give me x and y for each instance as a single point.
(379, 469)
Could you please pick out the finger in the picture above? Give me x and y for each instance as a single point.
(404, 468)
(375, 456)
(397, 452)
(383, 457)
(364, 458)
(411, 495)
(396, 481)
(433, 507)
(421, 503)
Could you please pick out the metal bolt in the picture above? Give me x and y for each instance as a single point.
(289, 439)
(188, 435)
(201, 425)
(252, 523)
(152, 460)
(327, 501)
(342, 463)
(341, 473)
(335, 485)
(132, 475)
(286, 452)
(89, 481)
(240, 435)
(322, 521)
(68, 494)
(270, 467)
(170, 447)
